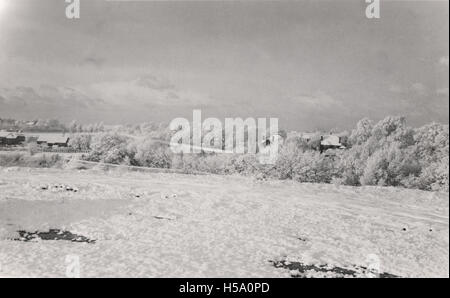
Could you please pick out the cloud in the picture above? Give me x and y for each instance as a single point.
(93, 61)
(116, 101)
(413, 89)
(396, 88)
(444, 61)
(147, 90)
(46, 101)
(317, 110)
(317, 101)
(442, 91)
(419, 88)
(47, 96)
(153, 82)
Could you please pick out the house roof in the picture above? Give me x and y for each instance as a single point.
(12, 136)
(331, 140)
(4, 134)
(53, 139)
(8, 135)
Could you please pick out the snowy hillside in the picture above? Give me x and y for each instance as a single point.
(168, 225)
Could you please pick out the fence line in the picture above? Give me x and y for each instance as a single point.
(11, 149)
(44, 150)
(62, 150)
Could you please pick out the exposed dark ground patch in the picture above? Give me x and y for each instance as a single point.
(162, 217)
(304, 270)
(59, 187)
(39, 215)
(52, 234)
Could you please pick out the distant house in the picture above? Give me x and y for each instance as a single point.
(53, 140)
(11, 138)
(331, 142)
(3, 135)
(31, 123)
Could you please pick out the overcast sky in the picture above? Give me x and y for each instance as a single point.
(313, 64)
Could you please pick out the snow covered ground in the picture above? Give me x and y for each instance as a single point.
(170, 225)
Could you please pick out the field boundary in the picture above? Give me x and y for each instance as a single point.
(137, 168)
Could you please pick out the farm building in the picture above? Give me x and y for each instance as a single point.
(331, 142)
(3, 135)
(59, 141)
(11, 138)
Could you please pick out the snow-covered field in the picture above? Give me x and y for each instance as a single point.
(169, 225)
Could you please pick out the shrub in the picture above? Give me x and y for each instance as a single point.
(111, 148)
(350, 166)
(385, 153)
(393, 154)
(150, 153)
(362, 132)
(22, 159)
(390, 166)
(80, 141)
(288, 159)
(304, 165)
(245, 164)
(11, 159)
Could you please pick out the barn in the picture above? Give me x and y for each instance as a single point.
(53, 140)
(11, 138)
(331, 142)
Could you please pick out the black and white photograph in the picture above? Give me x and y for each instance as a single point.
(224, 140)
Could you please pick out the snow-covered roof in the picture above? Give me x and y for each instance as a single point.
(12, 136)
(331, 140)
(53, 139)
(8, 135)
(4, 134)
